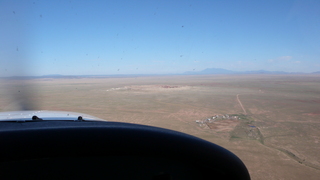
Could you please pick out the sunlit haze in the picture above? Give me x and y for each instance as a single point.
(157, 37)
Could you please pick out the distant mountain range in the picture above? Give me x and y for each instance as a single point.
(203, 72)
(225, 71)
(59, 76)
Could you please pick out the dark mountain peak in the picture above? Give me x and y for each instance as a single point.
(225, 71)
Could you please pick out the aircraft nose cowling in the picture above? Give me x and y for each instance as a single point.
(45, 115)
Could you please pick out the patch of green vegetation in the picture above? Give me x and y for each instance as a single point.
(242, 117)
(234, 137)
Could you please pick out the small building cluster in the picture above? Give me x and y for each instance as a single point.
(217, 117)
(119, 88)
(167, 86)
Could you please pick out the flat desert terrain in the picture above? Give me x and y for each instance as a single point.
(272, 122)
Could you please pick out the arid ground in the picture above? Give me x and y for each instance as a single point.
(272, 122)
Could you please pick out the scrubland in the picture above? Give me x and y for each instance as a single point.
(277, 133)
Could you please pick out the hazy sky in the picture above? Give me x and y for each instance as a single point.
(157, 36)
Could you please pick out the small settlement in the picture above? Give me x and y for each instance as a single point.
(217, 117)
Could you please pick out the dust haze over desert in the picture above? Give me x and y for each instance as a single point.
(270, 121)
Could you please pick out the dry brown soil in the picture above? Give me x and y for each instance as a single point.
(279, 138)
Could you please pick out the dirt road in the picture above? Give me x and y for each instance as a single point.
(244, 111)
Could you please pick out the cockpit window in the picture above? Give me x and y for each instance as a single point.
(241, 74)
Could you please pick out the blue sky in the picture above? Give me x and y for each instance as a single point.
(157, 37)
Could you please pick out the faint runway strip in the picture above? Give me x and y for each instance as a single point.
(245, 112)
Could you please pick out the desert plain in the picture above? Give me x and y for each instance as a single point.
(271, 122)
